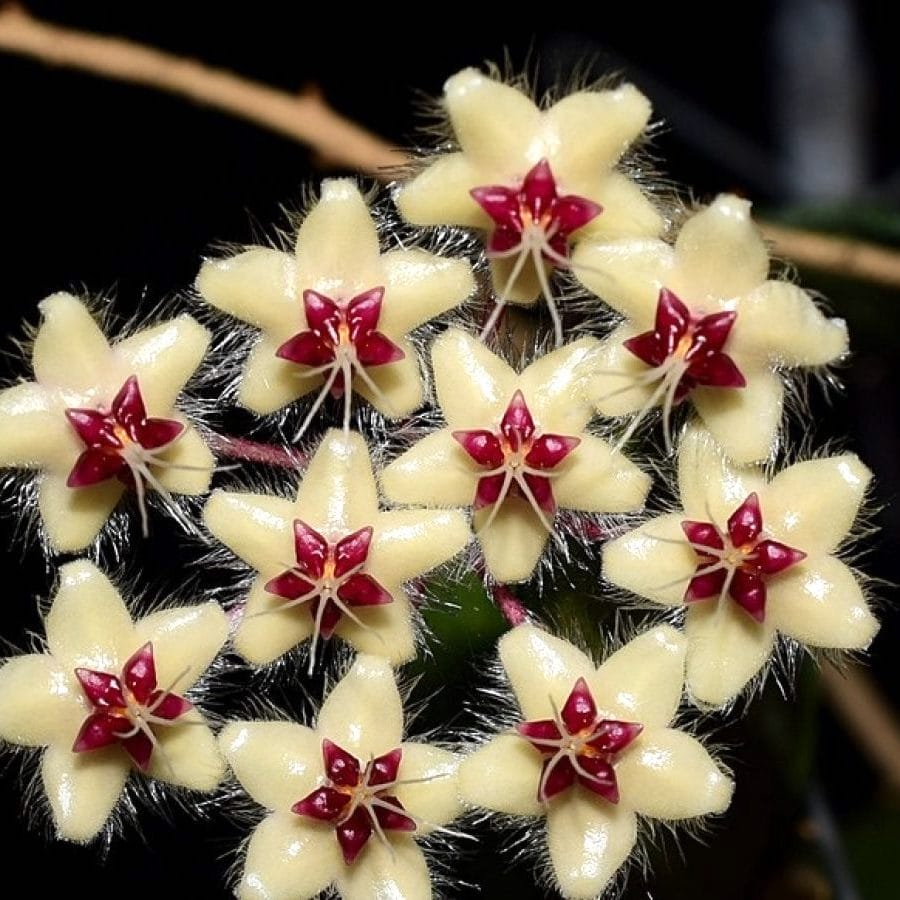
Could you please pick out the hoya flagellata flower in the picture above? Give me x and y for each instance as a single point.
(704, 322)
(334, 315)
(750, 559)
(330, 562)
(101, 418)
(537, 180)
(515, 449)
(594, 752)
(107, 699)
(346, 800)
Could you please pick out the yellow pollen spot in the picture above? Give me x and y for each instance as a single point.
(684, 345)
(122, 435)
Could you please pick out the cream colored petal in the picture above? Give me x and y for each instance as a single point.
(819, 602)
(190, 451)
(627, 210)
(164, 357)
(409, 542)
(525, 289)
(387, 630)
(255, 527)
(33, 429)
(188, 755)
(504, 775)
(88, 625)
(595, 479)
(434, 472)
(812, 505)
(644, 680)
(656, 569)
(555, 387)
(269, 383)
(513, 543)
(726, 648)
(277, 763)
(540, 666)
(383, 873)
(627, 274)
(494, 123)
(400, 391)
(439, 195)
(338, 492)
(337, 245)
(420, 286)
(779, 322)
(70, 351)
(720, 252)
(474, 386)
(589, 841)
(185, 641)
(594, 128)
(39, 703)
(267, 630)
(82, 789)
(613, 388)
(289, 858)
(363, 713)
(436, 801)
(745, 420)
(73, 517)
(667, 774)
(258, 286)
(710, 484)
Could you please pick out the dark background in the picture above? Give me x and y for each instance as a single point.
(113, 187)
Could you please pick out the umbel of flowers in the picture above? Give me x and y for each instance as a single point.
(474, 436)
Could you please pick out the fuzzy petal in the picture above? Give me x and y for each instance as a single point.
(33, 430)
(82, 789)
(73, 517)
(820, 603)
(668, 775)
(439, 194)
(589, 840)
(513, 543)
(436, 801)
(726, 648)
(644, 680)
(503, 775)
(363, 713)
(612, 388)
(383, 874)
(277, 763)
(191, 749)
(389, 630)
(187, 637)
(812, 505)
(524, 290)
(189, 450)
(473, 385)
(267, 630)
(269, 383)
(88, 625)
(655, 569)
(594, 479)
(720, 253)
(399, 384)
(258, 286)
(289, 858)
(627, 210)
(70, 351)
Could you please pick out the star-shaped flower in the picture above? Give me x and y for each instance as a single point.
(331, 562)
(593, 751)
(101, 418)
(749, 559)
(346, 800)
(336, 313)
(703, 321)
(106, 698)
(515, 448)
(536, 180)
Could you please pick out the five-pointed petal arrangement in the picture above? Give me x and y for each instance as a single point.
(704, 321)
(749, 559)
(536, 180)
(331, 562)
(336, 313)
(593, 750)
(346, 799)
(515, 449)
(107, 697)
(100, 418)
